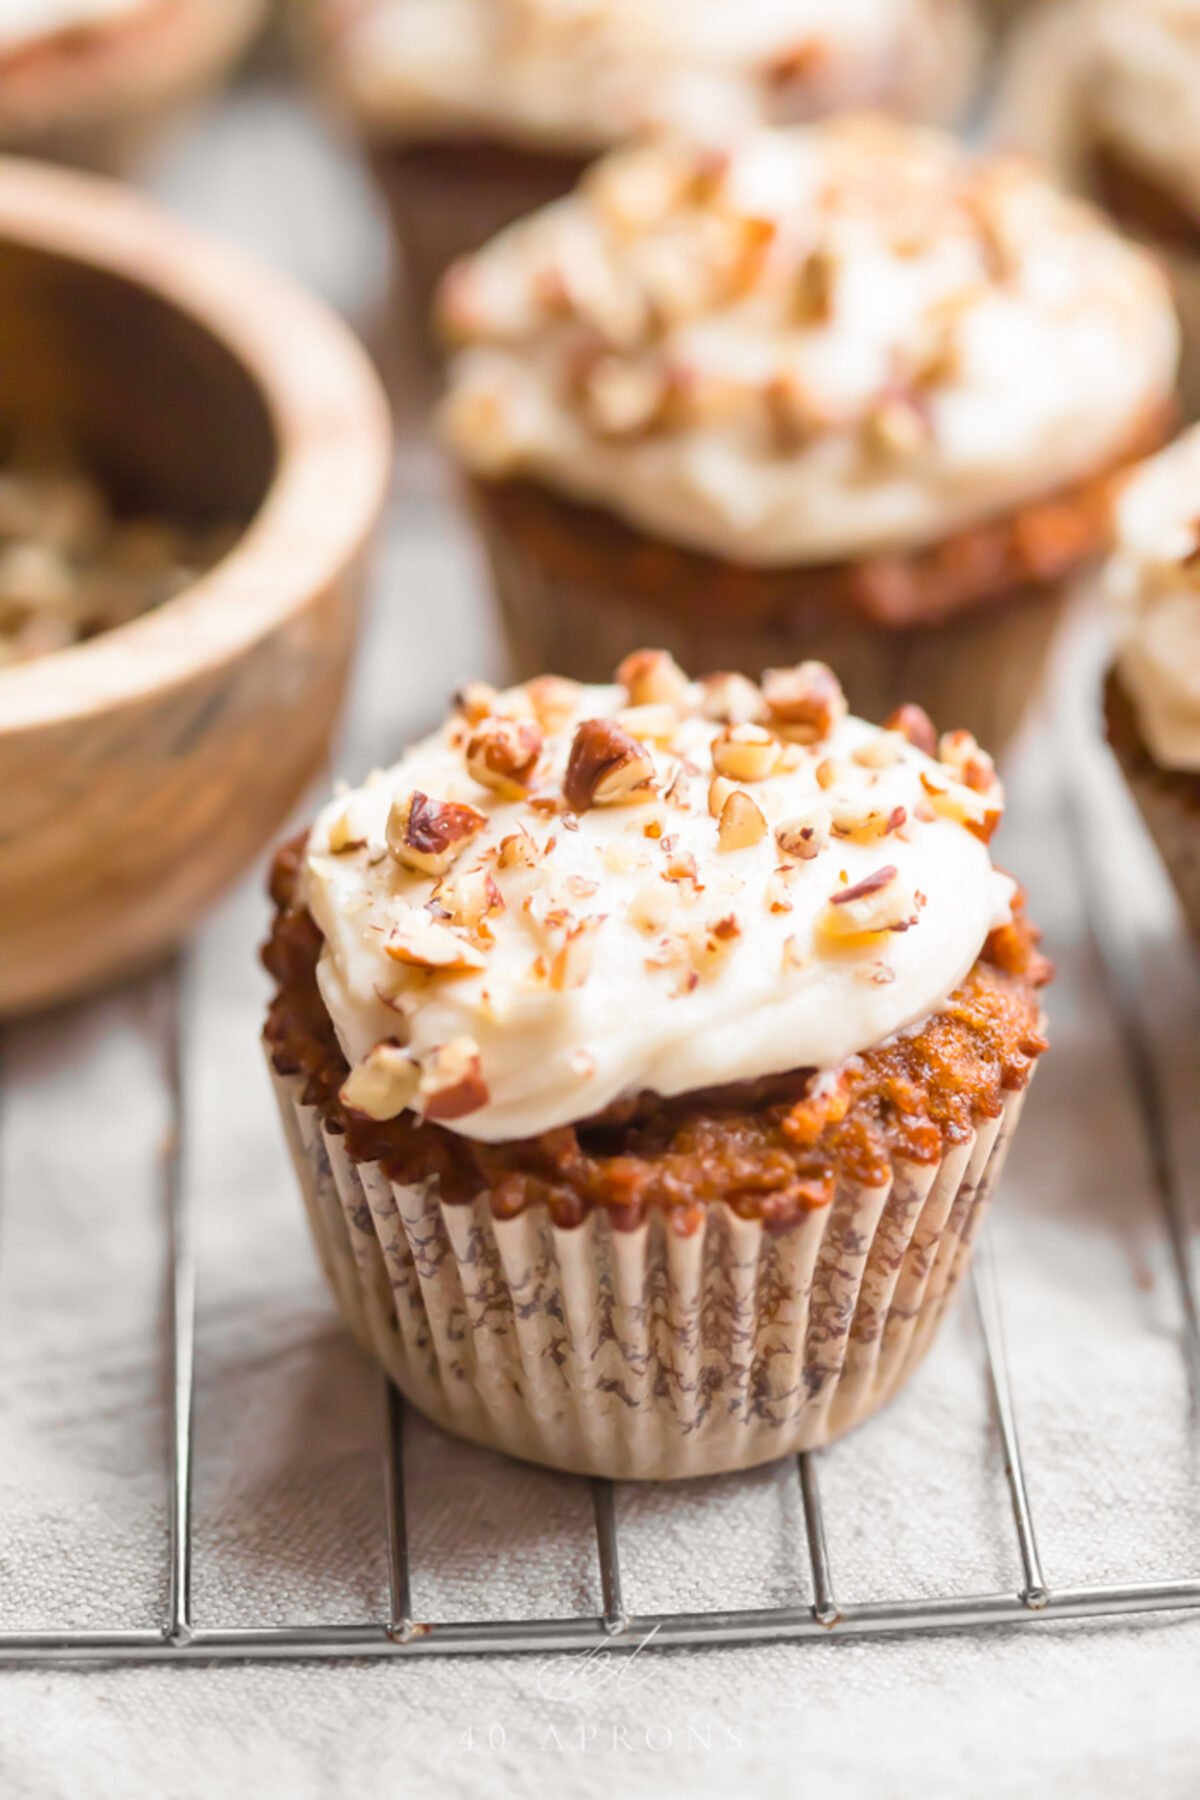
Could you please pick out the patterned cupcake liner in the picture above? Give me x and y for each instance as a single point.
(980, 669)
(644, 1353)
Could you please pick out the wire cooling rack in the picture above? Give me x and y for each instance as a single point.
(1038, 1601)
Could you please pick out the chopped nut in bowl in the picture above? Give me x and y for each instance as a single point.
(176, 615)
(628, 1025)
(843, 392)
(70, 568)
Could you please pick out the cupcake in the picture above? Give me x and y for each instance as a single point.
(92, 81)
(837, 391)
(1152, 698)
(1106, 90)
(478, 111)
(648, 1054)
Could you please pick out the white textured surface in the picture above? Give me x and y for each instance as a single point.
(288, 1497)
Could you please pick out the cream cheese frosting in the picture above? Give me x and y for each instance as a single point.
(583, 74)
(570, 894)
(812, 344)
(1154, 578)
(22, 21)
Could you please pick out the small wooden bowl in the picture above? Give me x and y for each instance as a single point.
(139, 772)
(98, 94)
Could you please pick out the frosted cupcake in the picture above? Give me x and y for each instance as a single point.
(1152, 701)
(648, 1054)
(478, 111)
(838, 391)
(92, 81)
(1109, 92)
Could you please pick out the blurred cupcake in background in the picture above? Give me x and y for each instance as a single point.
(478, 111)
(1108, 92)
(92, 82)
(1152, 700)
(839, 391)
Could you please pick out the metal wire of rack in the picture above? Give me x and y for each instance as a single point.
(178, 1639)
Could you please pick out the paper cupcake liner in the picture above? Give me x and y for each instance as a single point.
(441, 208)
(979, 670)
(643, 1354)
(1173, 821)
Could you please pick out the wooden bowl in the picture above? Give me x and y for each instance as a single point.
(139, 772)
(98, 94)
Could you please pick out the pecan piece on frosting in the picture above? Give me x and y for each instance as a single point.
(553, 699)
(452, 1083)
(475, 700)
(730, 699)
(503, 753)
(971, 765)
(802, 839)
(745, 753)
(914, 723)
(419, 941)
(881, 901)
(653, 678)
(741, 824)
(427, 835)
(606, 767)
(383, 1083)
(806, 702)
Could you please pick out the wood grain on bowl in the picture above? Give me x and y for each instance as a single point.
(141, 771)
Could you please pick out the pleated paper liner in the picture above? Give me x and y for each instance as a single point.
(644, 1354)
(1172, 818)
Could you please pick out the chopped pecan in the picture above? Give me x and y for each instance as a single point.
(914, 723)
(805, 702)
(730, 699)
(503, 753)
(741, 824)
(882, 901)
(606, 767)
(382, 1084)
(420, 941)
(745, 753)
(452, 1083)
(802, 839)
(427, 835)
(553, 699)
(653, 678)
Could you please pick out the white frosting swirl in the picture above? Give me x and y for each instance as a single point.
(1154, 577)
(817, 344)
(704, 965)
(582, 74)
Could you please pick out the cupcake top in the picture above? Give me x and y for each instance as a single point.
(1154, 577)
(1140, 86)
(572, 894)
(582, 74)
(814, 344)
